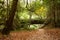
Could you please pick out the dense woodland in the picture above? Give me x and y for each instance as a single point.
(28, 14)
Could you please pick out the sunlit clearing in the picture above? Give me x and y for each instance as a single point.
(31, 26)
(35, 16)
(24, 15)
(34, 26)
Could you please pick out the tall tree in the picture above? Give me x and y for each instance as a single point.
(9, 22)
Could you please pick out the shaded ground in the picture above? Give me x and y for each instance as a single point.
(40, 34)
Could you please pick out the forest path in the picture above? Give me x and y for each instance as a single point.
(40, 34)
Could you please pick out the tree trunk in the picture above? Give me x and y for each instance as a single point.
(9, 22)
(52, 13)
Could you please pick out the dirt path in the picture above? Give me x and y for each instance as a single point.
(41, 34)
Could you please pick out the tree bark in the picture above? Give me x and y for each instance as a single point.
(9, 22)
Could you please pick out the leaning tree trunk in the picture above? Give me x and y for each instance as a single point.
(9, 22)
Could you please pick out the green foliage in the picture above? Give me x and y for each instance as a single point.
(36, 10)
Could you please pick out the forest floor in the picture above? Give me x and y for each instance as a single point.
(40, 34)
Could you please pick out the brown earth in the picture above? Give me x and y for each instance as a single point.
(40, 34)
